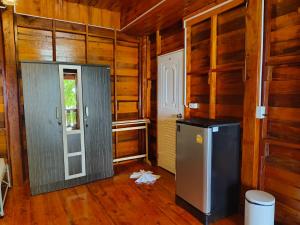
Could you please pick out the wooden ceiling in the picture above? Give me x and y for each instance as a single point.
(112, 5)
(136, 17)
(167, 12)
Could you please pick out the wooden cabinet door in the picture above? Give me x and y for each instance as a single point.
(43, 125)
(96, 96)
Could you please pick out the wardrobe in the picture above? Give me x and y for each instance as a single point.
(68, 124)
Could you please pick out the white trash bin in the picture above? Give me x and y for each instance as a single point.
(259, 208)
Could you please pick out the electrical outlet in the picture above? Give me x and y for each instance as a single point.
(260, 112)
(193, 105)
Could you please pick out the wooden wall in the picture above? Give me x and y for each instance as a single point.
(70, 11)
(216, 65)
(50, 40)
(3, 130)
(280, 174)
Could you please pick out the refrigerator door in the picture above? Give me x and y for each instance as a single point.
(193, 166)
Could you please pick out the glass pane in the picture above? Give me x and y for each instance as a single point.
(75, 165)
(74, 143)
(71, 100)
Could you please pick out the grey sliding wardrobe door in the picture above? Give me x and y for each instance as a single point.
(97, 121)
(43, 125)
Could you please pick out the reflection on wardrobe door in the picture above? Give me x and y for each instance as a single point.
(43, 125)
(97, 121)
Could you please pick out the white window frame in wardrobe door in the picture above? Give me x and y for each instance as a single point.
(67, 155)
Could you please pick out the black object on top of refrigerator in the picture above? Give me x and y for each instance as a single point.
(208, 167)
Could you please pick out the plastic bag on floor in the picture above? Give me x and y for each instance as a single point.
(144, 177)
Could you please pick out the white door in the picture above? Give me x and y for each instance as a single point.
(170, 107)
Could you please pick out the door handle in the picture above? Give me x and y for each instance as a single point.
(179, 116)
(58, 117)
(86, 115)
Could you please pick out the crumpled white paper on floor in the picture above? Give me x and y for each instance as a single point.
(144, 177)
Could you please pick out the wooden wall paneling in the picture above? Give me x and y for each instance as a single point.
(200, 68)
(101, 51)
(284, 31)
(203, 16)
(154, 51)
(230, 64)
(188, 53)
(280, 167)
(251, 125)
(144, 75)
(172, 38)
(230, 95)
(281, 176)
(127, 91)
(34, 44)
(231, 37)
(213, 65)
(40, 8)
(283, 104)
(4, 145)
(103, 17)
(34, 23)
(115, 102)
(54, 40)
(70, 47)
(148, 79)
(158, 43)
(70, 11)
(86, 42)
(127, 71)
(11, 78)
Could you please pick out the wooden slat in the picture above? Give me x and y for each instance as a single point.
(213, 65)
(70, 47)
(281, 158)
(12, 97)
(70, 11)
(34, 45)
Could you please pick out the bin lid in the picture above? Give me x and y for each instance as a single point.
(260, 198)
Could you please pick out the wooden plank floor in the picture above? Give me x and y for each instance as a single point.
(113, 201)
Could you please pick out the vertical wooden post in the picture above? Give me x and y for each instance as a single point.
(12, 96)
(213, 66)
(158, 43)
(251, 125)
(149, 84)
(144, 74)
(54, 40)
(115, 88)
(188, 52)
(86, 43)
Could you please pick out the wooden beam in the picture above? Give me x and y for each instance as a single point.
(188, 52)
(213, 66)
(12, 96)
(158, 43)
(251, 125)
(210, 10)
(144, 74)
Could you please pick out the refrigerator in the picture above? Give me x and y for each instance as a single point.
(208, 167)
